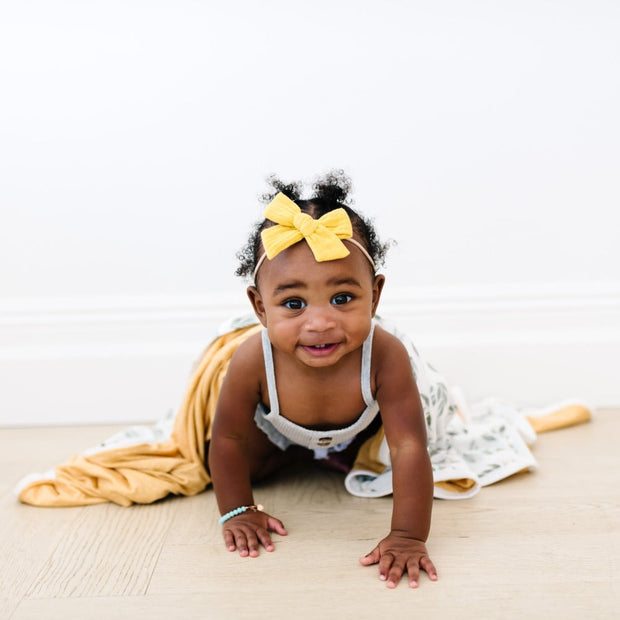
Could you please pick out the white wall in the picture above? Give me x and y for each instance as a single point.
(135, 137)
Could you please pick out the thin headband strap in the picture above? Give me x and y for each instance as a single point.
(356, 243)
(364, 252)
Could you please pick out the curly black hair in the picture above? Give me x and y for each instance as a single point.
(330, 192)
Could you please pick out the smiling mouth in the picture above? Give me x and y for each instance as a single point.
(320, 349)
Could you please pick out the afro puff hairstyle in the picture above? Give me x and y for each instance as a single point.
(329, 192)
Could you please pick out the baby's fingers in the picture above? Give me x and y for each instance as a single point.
(251, 547)
(265, 539)
(245, 542)
(392, 569)
(275, 525)
(413, 570)
(429, 567)
(229, 540)
(371, 558)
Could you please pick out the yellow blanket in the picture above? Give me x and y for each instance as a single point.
(145, 472)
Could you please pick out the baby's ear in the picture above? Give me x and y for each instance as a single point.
(377, 287)
(257, 304)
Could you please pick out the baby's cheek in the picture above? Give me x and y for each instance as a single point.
(282, 336)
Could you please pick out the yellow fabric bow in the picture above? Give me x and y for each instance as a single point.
(323, 235)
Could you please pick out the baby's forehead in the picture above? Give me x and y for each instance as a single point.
(298, 264)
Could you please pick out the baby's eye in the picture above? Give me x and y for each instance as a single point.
(294, 304)
(341, 298)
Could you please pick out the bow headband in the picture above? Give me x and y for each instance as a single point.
(324, 236)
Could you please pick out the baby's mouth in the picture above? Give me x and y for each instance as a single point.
(320, 349)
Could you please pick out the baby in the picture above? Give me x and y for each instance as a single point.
(320, 377)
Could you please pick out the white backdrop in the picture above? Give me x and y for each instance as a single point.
(135, 138)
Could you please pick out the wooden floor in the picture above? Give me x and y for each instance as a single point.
(541, 545)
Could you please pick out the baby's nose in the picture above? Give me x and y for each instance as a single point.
(319, 319)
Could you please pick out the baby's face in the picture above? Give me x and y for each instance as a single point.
(317, 312)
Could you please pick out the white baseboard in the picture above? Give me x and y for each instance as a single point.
(125, 360)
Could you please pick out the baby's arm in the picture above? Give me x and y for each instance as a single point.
(230, 452)
(404, 549)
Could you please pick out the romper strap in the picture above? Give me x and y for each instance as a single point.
(366, 360)
(271, 374)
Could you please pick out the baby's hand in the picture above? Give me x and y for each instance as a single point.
(397, 554)
(245, 531)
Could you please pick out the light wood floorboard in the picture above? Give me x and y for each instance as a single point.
(538, 545)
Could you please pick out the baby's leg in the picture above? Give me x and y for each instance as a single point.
(265, 458)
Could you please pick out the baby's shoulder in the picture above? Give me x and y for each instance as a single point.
(386, 344)
(389, 354)
(248, 356)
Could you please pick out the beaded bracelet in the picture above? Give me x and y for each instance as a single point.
(238, 511)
